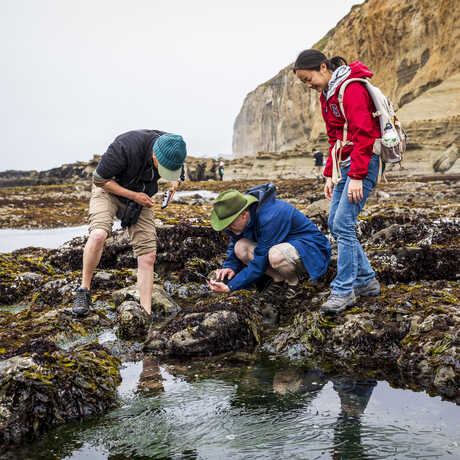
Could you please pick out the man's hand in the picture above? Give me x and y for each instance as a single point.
(355, 190)
(217, 286)
(143, 199)
(173, 189)
(223, 273)
(328, 188)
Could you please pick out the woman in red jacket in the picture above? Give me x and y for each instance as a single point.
(356, 169)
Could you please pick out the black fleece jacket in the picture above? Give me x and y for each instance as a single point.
(125, 157)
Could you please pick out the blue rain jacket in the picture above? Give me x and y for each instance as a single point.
(272, 222)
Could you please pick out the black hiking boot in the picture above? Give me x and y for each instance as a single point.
(82, 302)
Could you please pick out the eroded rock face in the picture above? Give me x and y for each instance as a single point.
(46, 386)
(281, 112)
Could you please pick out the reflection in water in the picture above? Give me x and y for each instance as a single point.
(354, 396)
(262, 409)
(150, 378)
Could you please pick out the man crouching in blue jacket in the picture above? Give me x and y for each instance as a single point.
(268, 236)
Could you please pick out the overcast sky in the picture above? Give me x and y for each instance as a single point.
(76, 73)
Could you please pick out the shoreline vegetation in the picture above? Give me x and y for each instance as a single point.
(407, 336)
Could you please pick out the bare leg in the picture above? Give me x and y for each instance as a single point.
(285, 270)
(92, 255)
(244, 250)
(145, 263)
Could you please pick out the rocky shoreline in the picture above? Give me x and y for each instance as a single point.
(407, 336)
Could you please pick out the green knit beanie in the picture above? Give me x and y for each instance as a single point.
(170, 151)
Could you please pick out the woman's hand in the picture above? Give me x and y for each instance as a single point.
(328, 188)
(355, 190)
(217, 286)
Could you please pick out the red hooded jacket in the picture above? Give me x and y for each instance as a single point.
(363, 129)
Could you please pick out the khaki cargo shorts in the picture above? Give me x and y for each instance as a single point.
(103, 207)
(291, 254)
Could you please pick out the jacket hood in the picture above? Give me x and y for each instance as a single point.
(359, 70)
(263, 192)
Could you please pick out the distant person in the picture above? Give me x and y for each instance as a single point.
(350, 178)
(221, 170)
(268, 236)
(124, 183)
(318, 166)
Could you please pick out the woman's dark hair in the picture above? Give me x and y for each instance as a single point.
(312, 60)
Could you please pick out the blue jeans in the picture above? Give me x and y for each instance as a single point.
(353, 267)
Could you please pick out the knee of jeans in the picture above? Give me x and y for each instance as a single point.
(330, 224)
(343, 227)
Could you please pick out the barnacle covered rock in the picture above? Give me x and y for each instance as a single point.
(133, 321)
(46, 386)
(214, 325)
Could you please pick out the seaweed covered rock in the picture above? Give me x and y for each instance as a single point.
(411, 331)
(53, 324)
(22, 272)
(214, 325)
(46, 386)
(176, 244)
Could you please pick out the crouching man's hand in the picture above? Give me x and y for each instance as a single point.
(218, 286)
(223, 273)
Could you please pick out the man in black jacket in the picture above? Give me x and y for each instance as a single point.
(126, 178)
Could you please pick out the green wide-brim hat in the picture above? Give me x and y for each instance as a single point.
(228, 206)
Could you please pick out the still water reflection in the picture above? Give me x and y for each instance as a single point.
(266, 410)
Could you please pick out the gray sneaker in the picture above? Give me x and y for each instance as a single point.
(337, 303)
(82, 303)
(371, 289)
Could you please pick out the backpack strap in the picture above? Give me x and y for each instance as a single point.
(340, 144)
(340, 97)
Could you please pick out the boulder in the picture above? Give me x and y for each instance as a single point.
(447, 159)
(47, 386)
(215, 325)
(162, 306)
(133, 321)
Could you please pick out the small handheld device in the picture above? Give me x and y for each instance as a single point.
(166, 198)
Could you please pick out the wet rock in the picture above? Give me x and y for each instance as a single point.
(213, 326)
(162, 306)
(133, 321)
(319, 207)
(45, 389)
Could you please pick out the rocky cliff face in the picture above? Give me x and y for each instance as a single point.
(410, 46)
